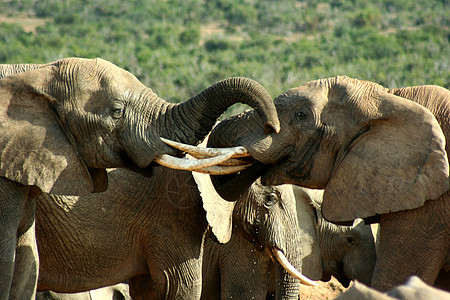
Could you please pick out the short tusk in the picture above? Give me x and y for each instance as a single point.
(199, 152)
(222, 170)
(290, 268)
(189, 164)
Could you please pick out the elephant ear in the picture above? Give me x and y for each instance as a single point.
(34, 150)
(219, 212)
(397, 163)
(306, 204)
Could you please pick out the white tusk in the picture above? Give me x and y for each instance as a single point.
(290, 268)
(188, 164)
(199, 152)
(222, 170)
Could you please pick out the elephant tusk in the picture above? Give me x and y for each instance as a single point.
(200, 152)
(189, 164)
(222, 170)
(290, 268)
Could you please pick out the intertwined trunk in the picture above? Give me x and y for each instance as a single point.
(191, 121)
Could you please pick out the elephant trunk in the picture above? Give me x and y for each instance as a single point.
(231, 187)
(240, 130)
(288, 258)
(287, 287)
(191, 121)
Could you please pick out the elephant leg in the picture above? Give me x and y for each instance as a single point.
(168, 285)
(411, 242)
(12, 200)
(27, 261)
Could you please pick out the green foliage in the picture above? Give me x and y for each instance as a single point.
(180, 47)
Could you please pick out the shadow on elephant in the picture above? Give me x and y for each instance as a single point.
(64, 122)
(379, 154)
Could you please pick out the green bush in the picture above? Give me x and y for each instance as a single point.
(180, 47)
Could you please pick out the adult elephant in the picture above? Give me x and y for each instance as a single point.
(64, 122)
(233, 270)
(377, 155)
(150, 231)
(344, 252)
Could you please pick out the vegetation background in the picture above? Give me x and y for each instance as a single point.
(179, 47)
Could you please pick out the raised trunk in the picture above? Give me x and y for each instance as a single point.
(192, 120)
(189, 122)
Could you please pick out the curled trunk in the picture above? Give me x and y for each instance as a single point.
(193, 119)
(189, 122)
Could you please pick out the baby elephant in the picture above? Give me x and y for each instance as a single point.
(344, 252)
(150, 231)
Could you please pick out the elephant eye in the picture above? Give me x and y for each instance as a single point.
(271, 199)
(300, 115)
(350, 240)
(117, 110)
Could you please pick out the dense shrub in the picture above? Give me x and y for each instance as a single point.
(179, 47)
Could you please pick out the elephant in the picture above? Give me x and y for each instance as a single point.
(64, 122)
(115, 292)
(413, 288)
(379, 154)
(344, 252)
(222, 264)
(151, 232)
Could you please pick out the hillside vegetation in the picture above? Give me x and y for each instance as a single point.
(179, 47)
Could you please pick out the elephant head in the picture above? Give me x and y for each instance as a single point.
(267, 217)
(64, 122)
(344, 252)
(373, 152)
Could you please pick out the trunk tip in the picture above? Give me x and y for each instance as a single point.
(271, 127)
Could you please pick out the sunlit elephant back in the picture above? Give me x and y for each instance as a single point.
(64, 122)
(379, 154)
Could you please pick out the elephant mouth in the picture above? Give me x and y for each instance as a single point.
(286, 171)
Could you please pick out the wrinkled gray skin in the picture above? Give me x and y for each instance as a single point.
(344, 252)
(150, 231)
(413, 288)
(64, 122)
(378, 155)
(115, 292)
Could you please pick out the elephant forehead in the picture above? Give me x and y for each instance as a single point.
(302, 96)
(287, 195)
